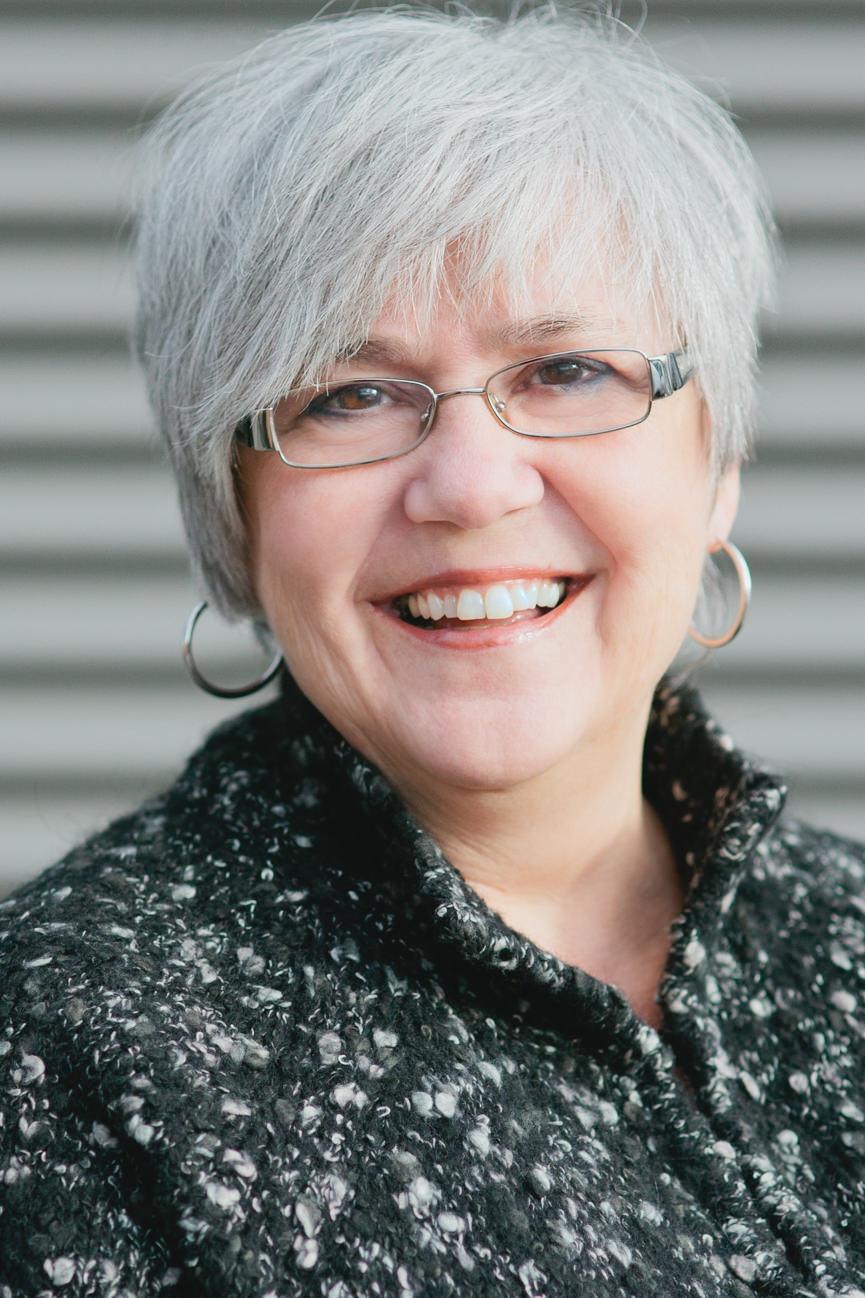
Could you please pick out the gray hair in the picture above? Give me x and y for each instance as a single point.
(333, 169)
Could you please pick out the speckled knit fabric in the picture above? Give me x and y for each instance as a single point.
(260, 1039)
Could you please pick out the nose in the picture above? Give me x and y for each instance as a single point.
(470, 471)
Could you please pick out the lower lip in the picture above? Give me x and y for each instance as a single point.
(488, 635)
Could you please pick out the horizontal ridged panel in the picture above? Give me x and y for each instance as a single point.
(76, 287)
(813, 175)
(51, 288)
(798, 66)
(72, 510)
(132, 64)
(817, 736)
(73, 403)
(96, 708)
(821, 290)
(81, 510)
(802, 514)
(131, 626)
(86, 175)
(69, 177)
(283, 11)
(92, 731)
(96, 402)
(813, 399)
(57, 733)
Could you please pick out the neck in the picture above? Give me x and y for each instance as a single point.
(588, 876)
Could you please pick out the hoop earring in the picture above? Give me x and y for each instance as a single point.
(743, 572)
(220, 691)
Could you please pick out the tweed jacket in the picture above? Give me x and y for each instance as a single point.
(260, 1038)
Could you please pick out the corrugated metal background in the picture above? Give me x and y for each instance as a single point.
(95, 709)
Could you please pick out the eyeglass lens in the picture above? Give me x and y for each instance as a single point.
(569, 394)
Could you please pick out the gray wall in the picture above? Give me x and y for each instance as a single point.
(94, 707)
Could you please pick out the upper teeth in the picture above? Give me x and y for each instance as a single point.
(471, 604)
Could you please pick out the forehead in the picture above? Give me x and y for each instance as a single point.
(500, 318)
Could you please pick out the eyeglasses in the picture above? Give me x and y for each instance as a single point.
(566, 394)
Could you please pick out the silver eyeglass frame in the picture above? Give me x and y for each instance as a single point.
(668, 373)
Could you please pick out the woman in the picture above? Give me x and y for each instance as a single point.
(479, 962)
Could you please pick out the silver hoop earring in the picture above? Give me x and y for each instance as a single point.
(220, 691)
(743, 572)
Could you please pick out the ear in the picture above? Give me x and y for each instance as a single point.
(724, 506)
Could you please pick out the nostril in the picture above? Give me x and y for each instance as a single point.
(470, 491)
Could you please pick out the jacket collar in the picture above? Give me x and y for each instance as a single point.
(717, 805)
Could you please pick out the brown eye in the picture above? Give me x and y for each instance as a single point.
(352, 398)
(566, 370)
(359, 397)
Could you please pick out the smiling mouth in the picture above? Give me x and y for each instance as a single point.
(499, 602)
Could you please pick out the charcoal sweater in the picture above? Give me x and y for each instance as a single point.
(260, 1038)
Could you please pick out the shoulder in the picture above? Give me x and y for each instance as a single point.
(178, 887)
(830, 865)
(179, 951)
(126, 960)
(805, 897)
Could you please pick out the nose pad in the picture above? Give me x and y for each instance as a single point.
(498, 403)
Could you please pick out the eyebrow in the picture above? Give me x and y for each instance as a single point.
(513, 333)
(376, 351)
(546, 328)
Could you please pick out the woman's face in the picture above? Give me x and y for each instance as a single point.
(623, 519)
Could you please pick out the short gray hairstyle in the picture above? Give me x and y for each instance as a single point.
(295, 191)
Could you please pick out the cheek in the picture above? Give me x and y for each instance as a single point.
(662, 554)
(645, 510)
(649, 508)
(310, 537)
(282, 542)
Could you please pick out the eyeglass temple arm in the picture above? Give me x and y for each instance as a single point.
(669, 373)
(254, 431)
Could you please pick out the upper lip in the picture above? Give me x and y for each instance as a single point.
(479, 577)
